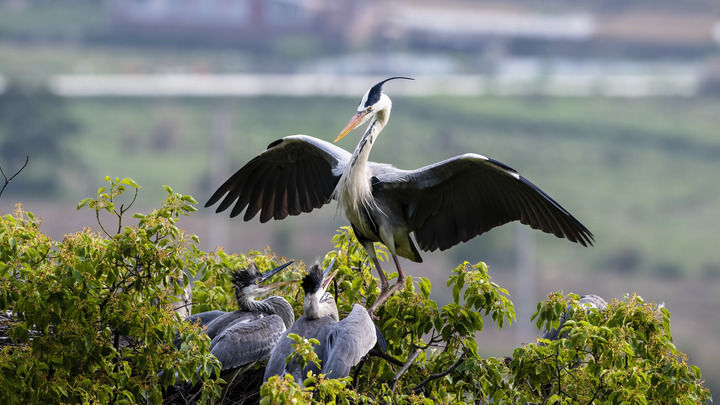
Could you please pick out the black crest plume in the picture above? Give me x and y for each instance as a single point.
(245, 277)
(376, 90)
(313, 280)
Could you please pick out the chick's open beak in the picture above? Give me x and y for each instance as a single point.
(329, 278)
(356, 120)
(270, 273)
(279, 284)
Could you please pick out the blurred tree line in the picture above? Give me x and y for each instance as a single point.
(35, 122)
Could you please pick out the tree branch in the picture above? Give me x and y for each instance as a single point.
(385, 356)
(8, 180)
(439, 375)
(405, 367)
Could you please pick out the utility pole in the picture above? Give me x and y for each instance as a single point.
(524, 296)
(220, 134)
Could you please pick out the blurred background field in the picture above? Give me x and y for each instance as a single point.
(611, 107)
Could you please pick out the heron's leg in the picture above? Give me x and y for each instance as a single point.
(383, 278)
(386, 292)
(401, 276)
(370, 249)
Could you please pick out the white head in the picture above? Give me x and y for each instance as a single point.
(373, 102)
(318, 302)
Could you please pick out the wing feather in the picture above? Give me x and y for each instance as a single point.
(347, 342)
(457, 199)
(268, 204)
(297, 173)
(245, 342)
(281, 200)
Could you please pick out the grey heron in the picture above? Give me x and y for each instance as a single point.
(586, 301)
(443, 204)
(250, 333)
(343, 343)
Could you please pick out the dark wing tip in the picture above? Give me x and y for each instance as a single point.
(215, 198)
(587, 238)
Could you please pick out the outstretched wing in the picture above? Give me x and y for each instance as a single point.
(295, 174)
(245, 342)
(347, 342)
(459, 198)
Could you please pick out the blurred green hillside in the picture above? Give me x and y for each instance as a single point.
(638, 173)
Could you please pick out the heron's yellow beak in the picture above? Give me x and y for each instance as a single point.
(356, 120)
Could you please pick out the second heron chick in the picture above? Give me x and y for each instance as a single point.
(342, 343)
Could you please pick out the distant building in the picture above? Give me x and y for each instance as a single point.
(268, 16)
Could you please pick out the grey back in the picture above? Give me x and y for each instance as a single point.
(245, 341)
(346, 342)
(307, 328)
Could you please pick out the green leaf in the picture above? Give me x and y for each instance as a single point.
(84, 202)
(425, 287)
(129, 182)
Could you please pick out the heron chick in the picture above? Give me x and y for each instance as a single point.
(343, 343)
(442, 204)
(250, 333)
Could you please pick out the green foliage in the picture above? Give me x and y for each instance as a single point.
(620, 355)
(92, 321)
(423, 339)
(623, 354)
(303, 351)
(91, 315)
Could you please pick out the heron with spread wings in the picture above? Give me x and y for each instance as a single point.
(442, 204)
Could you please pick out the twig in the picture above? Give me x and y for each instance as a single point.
(597, 391)
(385, 356)
(405, 367)
(8, 180)
(123, 209)
(439, 375)
(97, 215)
(356, 372)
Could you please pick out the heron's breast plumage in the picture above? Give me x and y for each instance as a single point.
(354, 196)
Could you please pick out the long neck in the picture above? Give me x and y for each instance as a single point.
(362, 150)
(249, 304)
(354, 185)
(270, 305)
(316, 307)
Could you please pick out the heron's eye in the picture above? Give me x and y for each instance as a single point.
(370, 108)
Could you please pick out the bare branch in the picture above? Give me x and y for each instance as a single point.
(439, 375)
(97, 215)
(8, 180)
(385, 356)
(405, 367)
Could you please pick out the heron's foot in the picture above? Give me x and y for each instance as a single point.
(385, 293)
